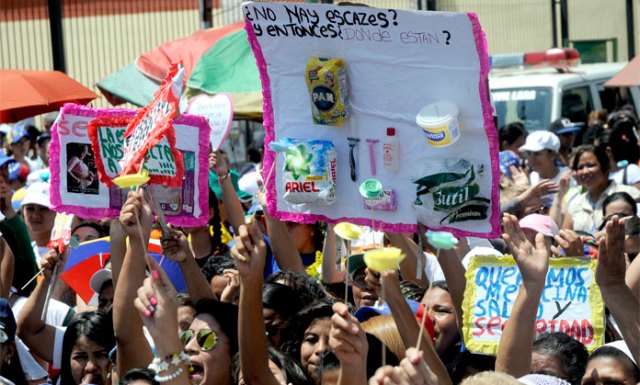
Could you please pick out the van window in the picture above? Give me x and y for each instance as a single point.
(576, 104)
(612, 98)
(531, 106)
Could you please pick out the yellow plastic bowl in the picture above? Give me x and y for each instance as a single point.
(349, 231)
(384, 259)
(132, 180)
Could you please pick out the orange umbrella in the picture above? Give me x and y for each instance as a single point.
(25, 93)
(629, 76)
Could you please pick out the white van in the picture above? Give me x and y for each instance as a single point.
(539, 96)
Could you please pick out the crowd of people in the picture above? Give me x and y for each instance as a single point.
(273, 302)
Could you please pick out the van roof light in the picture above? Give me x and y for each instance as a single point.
(553, 58)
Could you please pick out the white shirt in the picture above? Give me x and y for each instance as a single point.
(633, 175)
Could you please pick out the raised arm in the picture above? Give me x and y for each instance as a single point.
(284, 250)
(330, 273)
(249, 253)
(161, 320)
(232, 204)
(610, 276)
(136, 220)
(632, 277)
(516, 343)
(175, 246)
(406, 321)
(349, 343)
(33, 331)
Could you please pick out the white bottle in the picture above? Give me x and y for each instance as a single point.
(391, 151)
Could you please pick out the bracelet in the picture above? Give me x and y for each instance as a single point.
(224, 177)
(170, 376)
(158, 364)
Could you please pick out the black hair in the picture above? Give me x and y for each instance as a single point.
(599, 153)
(620, 356)
(467, 363)
(511, 132)
(226, 315)
(293, 331)
(622, 141)
(620, 196)
(307, 287)
(440, 285)
(216, 265)
(98, 228)
(139, 374)
(282, 299)
(291, 369)
(97, 327)
(12, 370)
(593, 132)
(571, 354)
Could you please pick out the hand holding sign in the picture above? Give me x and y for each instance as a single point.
(218, 110)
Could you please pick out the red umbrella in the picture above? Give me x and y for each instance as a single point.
(25, 93)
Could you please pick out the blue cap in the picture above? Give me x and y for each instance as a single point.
(7, 322)
(17, 133)
(5, 159)
(366, 312)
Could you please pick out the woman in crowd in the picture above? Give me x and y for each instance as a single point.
(591, 167)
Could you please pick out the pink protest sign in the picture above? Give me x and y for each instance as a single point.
(218, 110)
(77, 189)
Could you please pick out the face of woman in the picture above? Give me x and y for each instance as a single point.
(272, 323)
(38, 218)
(515, 146)
(607, 371)
(542, 161)
(589, 173)
(86, 233)
(302, 236)
(314, 342)
(89, 362)
(441, 310)
(213, 366)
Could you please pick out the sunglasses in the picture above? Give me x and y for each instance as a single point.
(206, 338)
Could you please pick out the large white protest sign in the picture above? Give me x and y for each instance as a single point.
(335, 78)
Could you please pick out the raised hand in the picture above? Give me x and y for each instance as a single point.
(136, 216)
(218, 164)
(416, 369)
(571, 244)
(249, 250)
(519, 176)
(231, 292)
(533, 261)
(175, 245)
(347, 338)
(158, 305)
(49, 261)
(375, 280)
(534, 195)
(611, 267)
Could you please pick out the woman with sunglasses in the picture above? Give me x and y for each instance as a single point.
(200, 355)
(590, 168)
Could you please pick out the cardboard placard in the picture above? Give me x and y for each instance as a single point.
(79, 191)
(392, 63)
(152, 125)
(218, 110)
(571, 301)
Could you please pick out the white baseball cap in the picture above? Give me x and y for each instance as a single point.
(541, 140)
(37, 193)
